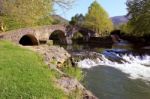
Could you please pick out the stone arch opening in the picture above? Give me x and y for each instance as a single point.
(86, 34)
(28, 40)
(58, 37)
(115, 35)
(77, 37)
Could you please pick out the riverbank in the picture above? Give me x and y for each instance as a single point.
(57, 58)
(26, 76)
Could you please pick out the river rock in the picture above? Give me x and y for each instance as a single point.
(69, 85)
(51, 53)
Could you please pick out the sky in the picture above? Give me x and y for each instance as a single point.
(113, 8)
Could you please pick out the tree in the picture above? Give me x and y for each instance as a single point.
(77, 36)
(63, 3)
(139, 13)
(126, 28)
(27, 11)
(98, 20)
(78, 20)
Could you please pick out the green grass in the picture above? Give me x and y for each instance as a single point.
(71, 71)
(74, 72)
(23, 75)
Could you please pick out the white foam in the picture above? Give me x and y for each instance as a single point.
(135, 66)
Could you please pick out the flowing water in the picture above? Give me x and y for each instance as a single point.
(119, 72)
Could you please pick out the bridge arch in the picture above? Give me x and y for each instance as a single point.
(58, 37)
(77, 36)
(83, 35)
(28, 40)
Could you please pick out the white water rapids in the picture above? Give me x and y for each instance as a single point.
(137, 67)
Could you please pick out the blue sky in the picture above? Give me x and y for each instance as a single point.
(113, 7)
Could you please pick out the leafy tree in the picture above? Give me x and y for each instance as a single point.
(65, 4)
(139, 12)
(78, 20)
(126, 28)
(8, 23)
(28, 11)
(98, 20)
(77, 36)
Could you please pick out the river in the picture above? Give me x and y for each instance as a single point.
(119, 72)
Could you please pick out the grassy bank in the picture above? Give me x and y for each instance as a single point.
(23, 75)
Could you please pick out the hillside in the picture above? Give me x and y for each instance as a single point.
(117, 20)
(59, 19)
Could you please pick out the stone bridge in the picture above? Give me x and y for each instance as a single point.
(37, 35)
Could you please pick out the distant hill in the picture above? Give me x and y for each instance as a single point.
(117, 20)
(58, 19)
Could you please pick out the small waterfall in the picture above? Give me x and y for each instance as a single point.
(136, 66)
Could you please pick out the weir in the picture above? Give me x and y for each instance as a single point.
(117, 71)
(137, 67)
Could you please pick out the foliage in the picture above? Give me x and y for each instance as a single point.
(8, 23)
(126, 28)
(98, 20)
(23, 75)
(64, 4)
(77, 36)
(139, 13)
(44, 21)
(78, 20)
(72, 71)
(56, 22)
(27, 11)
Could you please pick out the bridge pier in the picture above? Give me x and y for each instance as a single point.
(68, 40)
